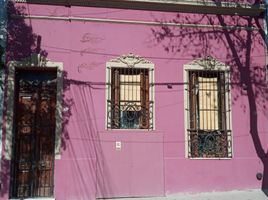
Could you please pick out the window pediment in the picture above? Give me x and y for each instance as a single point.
(207, 63)
(130, 60)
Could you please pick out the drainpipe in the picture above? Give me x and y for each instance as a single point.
(3, 26)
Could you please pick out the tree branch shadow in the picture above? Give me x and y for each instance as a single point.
(22, 44)
(248, 77)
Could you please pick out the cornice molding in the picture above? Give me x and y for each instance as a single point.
(35, 60)
(187, 6)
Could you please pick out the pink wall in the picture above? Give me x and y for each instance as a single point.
(149, 163)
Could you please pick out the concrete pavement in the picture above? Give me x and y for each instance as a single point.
(251, 194)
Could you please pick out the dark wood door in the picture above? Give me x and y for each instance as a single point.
(34, 140)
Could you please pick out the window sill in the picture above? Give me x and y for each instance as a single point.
(210, 158)
(34, 198)
(131, 130)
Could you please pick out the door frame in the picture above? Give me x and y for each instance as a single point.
(33, 62)
(35, 135)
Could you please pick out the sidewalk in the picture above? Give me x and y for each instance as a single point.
(253, 194)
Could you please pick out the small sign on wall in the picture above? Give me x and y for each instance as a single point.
(118, 145)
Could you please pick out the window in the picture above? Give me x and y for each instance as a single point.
(208, 107)
(130, 93)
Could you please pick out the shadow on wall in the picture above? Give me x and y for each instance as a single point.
(247, 78)
(1, 66)
(84, 109)
(22, 43)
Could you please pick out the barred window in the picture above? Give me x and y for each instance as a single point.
(208, 132)
(130, 97)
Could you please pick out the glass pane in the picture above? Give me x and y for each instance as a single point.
(208, 103)
(130, 119)
(130, 88)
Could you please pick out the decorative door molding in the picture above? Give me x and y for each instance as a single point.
(36, 61)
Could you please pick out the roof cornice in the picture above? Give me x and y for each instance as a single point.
(187, 6)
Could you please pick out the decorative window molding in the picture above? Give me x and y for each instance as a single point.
(130, 93)
(35, 61)
(207, 109)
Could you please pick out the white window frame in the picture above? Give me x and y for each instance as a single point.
(36, 60)
(207, 63)
(130, 61)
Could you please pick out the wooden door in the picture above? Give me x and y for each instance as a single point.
(34, 139)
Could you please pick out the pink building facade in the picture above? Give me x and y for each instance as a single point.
(146, 102)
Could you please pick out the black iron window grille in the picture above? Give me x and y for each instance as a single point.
(129, 105)
(209, 134)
